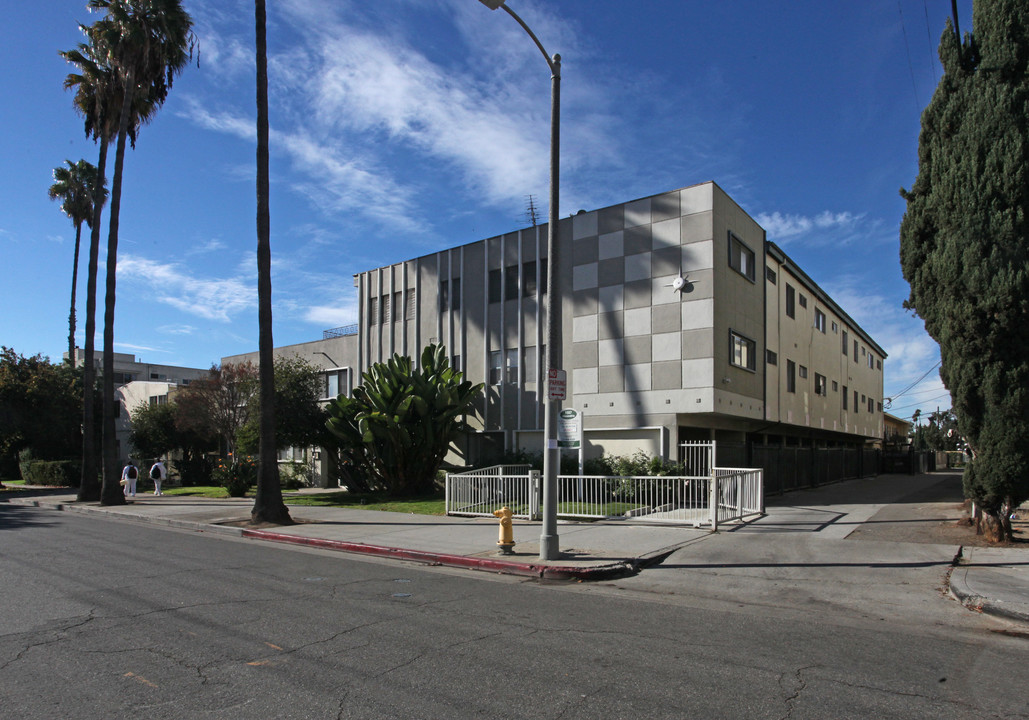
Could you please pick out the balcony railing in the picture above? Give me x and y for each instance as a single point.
(340, 331)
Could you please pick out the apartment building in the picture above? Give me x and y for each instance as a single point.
(139, 383)
(678, 321)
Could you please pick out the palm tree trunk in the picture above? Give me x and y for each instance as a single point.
(268, 504)
(111, 492)
(74, 285)
(89, 487)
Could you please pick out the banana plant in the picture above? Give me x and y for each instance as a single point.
(400, 422)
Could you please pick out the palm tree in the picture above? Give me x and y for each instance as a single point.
(75, 187)
(268, 504)
(146, 43)
(97, 100)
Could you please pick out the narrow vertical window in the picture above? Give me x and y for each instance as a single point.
(741, 257)
(743, 351)
(791, 376)
(512, 367)
(409, 303)
(529, 363)
(529, 283)
(819, 320)
(511, 282)
(495, 367)
(791, 301)
(495, 281)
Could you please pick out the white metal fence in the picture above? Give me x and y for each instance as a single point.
(480, 492)
(723, 495)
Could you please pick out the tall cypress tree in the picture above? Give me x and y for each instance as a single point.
(964, 248)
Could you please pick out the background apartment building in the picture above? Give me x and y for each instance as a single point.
(678, 321)
(138, 383)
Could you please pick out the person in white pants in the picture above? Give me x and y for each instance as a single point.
(129, 475)
(158, 473)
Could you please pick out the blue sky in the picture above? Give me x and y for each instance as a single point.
(400, 127)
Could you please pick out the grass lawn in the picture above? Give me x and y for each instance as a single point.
(12, 485)
(423, 505)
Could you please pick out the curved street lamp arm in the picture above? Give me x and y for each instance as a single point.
(555, 62)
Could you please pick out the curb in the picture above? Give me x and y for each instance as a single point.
(960, 591)
(503, 567)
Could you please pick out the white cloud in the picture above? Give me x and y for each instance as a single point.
(179, 329)
(330, 316)
(209, 298)
(910, 351)
(830, 226)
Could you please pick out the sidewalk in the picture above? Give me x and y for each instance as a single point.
(800, 528)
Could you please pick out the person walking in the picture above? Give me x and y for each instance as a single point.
(129, 475)
(158, 473)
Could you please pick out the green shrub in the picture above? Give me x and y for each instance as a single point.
(296, 474)
(194, 470)
(52, 473)
(236, 477)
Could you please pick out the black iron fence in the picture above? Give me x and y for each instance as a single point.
(793, 468)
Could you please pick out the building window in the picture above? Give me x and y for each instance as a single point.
(855, 350)
(384, 305)
(770, 275)
(409, 304)
(791, 299)
(819, 320)
(791, 376)
(741, 257)
(803, 372)
(845, 395)
(871, 361)
(529, 363)
(158, 400)
(820, 385)
(878, 364)
(844, 346)
(495, 367)
(512, 367)
(495, 280)
(742, 350)
(835, 386)
(511, 282)
(543, 277)
(856, 406)
(529, 283)
(835, 327)
(803, 300)
(373, 311)
(444, 296)
(771, 358)
(455, 363)
(449, 296)
(871, 405)
(334, 384)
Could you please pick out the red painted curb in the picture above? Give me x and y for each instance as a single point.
(507, 567)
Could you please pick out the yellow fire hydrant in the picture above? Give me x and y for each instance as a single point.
(506, 541)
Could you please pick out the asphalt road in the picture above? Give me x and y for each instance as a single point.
(109, 619)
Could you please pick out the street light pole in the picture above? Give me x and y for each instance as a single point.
(551, 455)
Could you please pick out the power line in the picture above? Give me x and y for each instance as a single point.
(897, 395)
(907, 48)
(929, 35)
